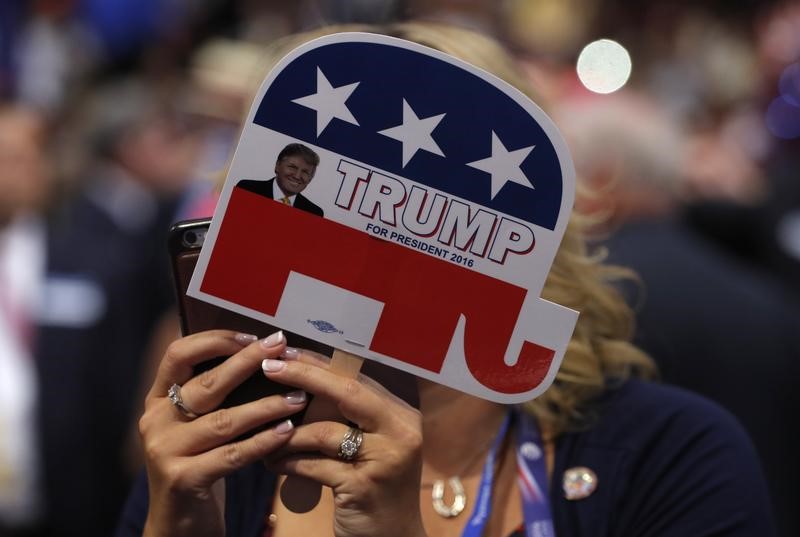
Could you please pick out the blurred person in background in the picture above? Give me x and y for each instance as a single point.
(765, 231)
(126, 30)
(25, 184)
(107, 283)
(712, 323)
(11, 16)
(53, 51)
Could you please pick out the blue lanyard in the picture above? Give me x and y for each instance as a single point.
(531, 477)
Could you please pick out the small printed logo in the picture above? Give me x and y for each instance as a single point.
(325, 326)
(531, 451)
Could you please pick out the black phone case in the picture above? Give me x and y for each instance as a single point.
(197, 315)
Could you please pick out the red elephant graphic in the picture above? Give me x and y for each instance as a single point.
(423, 295)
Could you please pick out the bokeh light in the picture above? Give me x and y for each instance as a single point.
(604, 66)
(783, 118)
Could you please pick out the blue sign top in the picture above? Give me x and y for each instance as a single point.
(419, 117)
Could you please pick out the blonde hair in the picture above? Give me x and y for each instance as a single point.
(600, 350)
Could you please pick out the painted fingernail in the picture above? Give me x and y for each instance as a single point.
(290, 353)
(284, 427)
(272, 366)
(245, 339)
(295, 398)
(275, 339)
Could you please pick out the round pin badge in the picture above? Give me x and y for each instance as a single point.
(579, 483)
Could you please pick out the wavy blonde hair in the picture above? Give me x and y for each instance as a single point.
(600, 349)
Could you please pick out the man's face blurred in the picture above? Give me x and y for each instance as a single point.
(24, 177)
(161, 154)
(293, 174)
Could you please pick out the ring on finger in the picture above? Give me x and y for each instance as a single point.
(351, 443)
(174, 395)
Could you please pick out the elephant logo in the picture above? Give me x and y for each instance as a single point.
(445, 198)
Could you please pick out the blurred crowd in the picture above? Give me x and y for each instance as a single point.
(117, 119)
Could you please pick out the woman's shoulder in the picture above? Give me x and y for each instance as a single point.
(665, 459)
(655, 425)
(635, 412)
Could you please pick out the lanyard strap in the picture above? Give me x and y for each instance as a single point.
(531, 477)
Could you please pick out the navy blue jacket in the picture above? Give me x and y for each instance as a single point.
(668, 462)
(89, 372)
(717, 328)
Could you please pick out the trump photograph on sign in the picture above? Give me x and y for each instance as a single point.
(294, 169)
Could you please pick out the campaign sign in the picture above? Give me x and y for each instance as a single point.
(423, 235)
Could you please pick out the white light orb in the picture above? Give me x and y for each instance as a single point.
(604, 66)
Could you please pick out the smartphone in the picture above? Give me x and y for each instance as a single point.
(185, 241)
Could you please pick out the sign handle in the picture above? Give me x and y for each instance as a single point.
(299, 494)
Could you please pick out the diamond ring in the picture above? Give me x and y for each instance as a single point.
(351, 443)
(174, 395)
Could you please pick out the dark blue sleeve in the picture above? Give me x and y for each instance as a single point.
(134, 512)
(248, 501)
(699, 476)
(669, 463)
(248, 497)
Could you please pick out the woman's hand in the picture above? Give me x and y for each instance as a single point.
(376, 494)
(185, 455)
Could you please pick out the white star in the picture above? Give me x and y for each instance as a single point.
(415, 133)
(504, 165)
(328, 102)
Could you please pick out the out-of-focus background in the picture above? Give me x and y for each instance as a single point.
(116, 118)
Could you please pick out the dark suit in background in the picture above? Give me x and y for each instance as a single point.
(89, 372)
(720, 329)
(264, 188)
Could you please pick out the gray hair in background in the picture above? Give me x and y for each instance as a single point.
(625, 137)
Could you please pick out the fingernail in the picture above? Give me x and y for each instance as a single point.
(272, 366)
(275, 339)
(290, 353)
(295, 398)
(284, 427)
(245, 339)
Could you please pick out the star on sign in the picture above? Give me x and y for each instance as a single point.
(504, 165)
(415, 133)
(329, 102)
